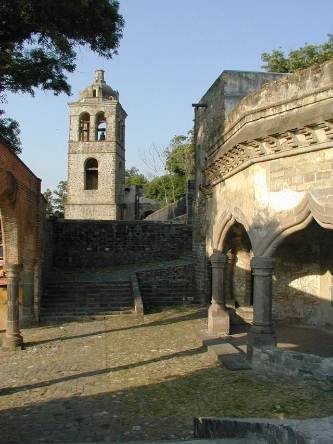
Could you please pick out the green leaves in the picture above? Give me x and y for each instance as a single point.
(179, 167)
(134, 177)
(38, 40)
(55, 200)
(9, 134)
(305, 57)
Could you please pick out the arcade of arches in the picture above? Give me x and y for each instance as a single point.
(22, 210)
(263, 212)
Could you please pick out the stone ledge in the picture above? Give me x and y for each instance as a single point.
(296, 364)
(268, 431)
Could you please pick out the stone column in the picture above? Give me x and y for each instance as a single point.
(28, 295)
(13, 338)
(218, 316)
(262, 332)
(229, 278)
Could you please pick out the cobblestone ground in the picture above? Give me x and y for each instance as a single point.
(116, 380)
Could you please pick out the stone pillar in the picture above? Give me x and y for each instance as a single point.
(229, 278)
(28, 318)
(218, 316)
(262, 332)
(13, 338)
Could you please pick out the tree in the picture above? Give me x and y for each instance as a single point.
(305, 57)
(180, 156)
(48, 195)
(177, 160)
(59, 199)
(134, 177)
(166, 189)
(9, 134)
(56, 200)
(38, 40)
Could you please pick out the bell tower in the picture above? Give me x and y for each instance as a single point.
(96, 153)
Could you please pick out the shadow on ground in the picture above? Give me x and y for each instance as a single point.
(159, 411)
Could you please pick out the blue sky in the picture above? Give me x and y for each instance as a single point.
(171, 52)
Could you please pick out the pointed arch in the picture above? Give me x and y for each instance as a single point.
(300, 217)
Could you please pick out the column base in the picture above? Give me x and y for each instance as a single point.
(258, 337)
(218, 320)
(13, 342)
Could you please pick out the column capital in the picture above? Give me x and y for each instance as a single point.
(262, 263)
(218, 259)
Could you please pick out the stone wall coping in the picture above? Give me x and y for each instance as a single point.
(294, 86)
(21, 162)
(119, 222)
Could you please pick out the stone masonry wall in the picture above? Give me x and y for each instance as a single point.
(94, 244)
(302, 283)
(167, 286)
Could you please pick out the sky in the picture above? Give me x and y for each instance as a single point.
(170, 53)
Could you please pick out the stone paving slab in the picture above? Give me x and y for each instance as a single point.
(117, 379)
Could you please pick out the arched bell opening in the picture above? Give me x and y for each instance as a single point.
(84, 127)
(100, 126)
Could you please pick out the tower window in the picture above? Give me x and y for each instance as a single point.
(91, 174)
(84, 125)
(94, 93)
(100, 126)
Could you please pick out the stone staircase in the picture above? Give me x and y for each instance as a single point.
(73, 299)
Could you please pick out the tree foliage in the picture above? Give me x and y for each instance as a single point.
(178, 164)
(180, 156)
(55, 200)
(38, 40)
(134, 177)
(9, 134)
(166, 189)
(305, 57)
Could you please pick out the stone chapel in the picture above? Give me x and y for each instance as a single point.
(96, 154)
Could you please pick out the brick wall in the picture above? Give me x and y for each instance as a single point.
(105, 243)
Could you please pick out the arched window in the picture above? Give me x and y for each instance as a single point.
(84, 125)
(100, 126)
(91, 174)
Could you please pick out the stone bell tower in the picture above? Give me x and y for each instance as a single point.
(96, 153)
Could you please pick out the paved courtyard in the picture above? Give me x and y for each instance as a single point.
(115, 379)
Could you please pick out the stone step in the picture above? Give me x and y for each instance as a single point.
(66, 317)
(74, 299)
(192, 441)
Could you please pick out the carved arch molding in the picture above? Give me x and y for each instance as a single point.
(266, 238)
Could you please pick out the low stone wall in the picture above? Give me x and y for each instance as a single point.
(266, 431)
(290, 363)
(169, 212)
(95, 244)
(167, 286)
